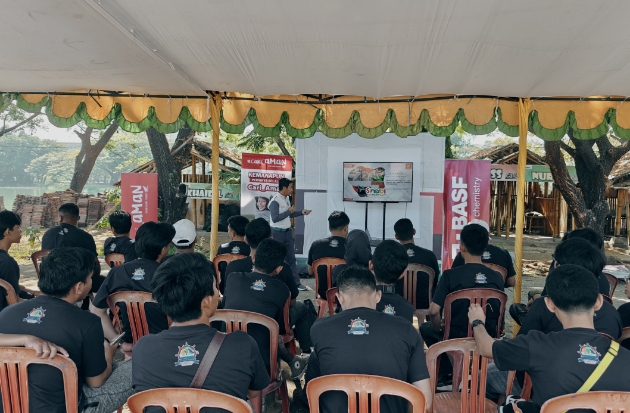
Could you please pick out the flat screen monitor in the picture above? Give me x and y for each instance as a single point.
(378, 181)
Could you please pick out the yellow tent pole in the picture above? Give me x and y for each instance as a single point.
(216, 105)
(523, 124)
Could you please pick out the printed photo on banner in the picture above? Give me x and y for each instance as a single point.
(259, 182)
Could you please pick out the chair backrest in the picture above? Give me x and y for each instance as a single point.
(135, 301)
(36, 257)
(607, 298)
(14, 362)
(497, 268)
(224, 258)
(114, 259)
(12, 297)
(239, 320)
(410, 281)
(612, 281)
(608, 336)
(180, 400)
(329, 263)
(526, 391)
(475, 296)
(465, 354)
(599, 401)
(331, 298)
(364, 392)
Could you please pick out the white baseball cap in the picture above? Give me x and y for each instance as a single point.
(185, 233)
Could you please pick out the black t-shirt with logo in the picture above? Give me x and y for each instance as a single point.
(246, 265)
(606, 319)
(79, 332)
(624, 313)
(132, 276)
(560, 362)
(66, 235)
(171, 359)
(394, 304)
(121, 245)
(331, 247)
(258, 293)
(235, 247)
(460, 278)
(367, 341)
(423, 256)
(9, 272)
(492, 255)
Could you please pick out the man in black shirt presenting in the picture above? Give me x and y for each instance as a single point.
(559, 363)
(331, 247)
(236, 232)
(389, 261)
(184, 290)
(10, 233)
(65, 279)
(120, 243)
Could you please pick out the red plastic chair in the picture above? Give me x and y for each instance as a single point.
(473, 381)
(526, 391)
(364, 392)
(607, 298)
(36, 257)
(329, 263)
(612, 281)
(599, 401)
(289, 336)
(475, 296)
(135, 302)
(185, 400)
(114, 260)
(14, 362)
(410, 285)
(224, 258)
(239, 320)
(497, 268)
(12, 297)
(331, 299)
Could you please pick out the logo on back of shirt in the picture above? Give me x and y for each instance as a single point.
(112, 247)
(35, 316)
(333, 243)
(485, 256)
(389, 309)
(138, 274)
(63, 231)
(411, 253)
(236, 250)
(480, 279)
(358, 327)
(258, 285)
(588, 354)
(187, 355)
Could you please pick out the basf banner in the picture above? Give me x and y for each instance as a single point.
(139, 197)
(260, 174)
(466, 197)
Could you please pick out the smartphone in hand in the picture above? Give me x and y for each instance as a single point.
(117, 339)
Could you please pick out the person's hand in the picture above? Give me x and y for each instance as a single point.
(475, 312)
(110, 350)
(292, 209)
(44, 349)
(126, 349)
(306, 212)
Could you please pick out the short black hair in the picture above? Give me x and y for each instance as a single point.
(63, 268)
(181, 283)
(238, 223)
(284, 183)
(269, 255)
(588, 234)
(475, 238)
(579, 251)
(404, 229)
(152, 237)
(70, 209)
(120, 221)
(390, 261)
(8, 220)
(572, 289)
(337, 220)
(256, 231)
(356, 279)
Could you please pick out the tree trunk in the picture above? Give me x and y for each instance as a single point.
(87, 156)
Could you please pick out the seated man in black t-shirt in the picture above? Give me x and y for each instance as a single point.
(405, 231)
(184, 290)
(153, 241)
(65, 279)
(560, 362)
(331, 247)
(236, 232)
(362, 340)
(388, 262)
(10, 233)
(624, 314)
(120, 243)
(261, 291)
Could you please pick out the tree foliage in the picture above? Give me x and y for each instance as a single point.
(14, 119)
(17, 151)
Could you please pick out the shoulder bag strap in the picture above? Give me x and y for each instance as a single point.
(208, 360)
(601, 368)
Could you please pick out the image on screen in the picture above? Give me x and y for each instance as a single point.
(377, 181)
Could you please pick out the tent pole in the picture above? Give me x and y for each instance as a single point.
(523, 117)
(216, 105)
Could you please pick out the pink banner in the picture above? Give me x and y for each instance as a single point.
(466, 197)
(139, 197)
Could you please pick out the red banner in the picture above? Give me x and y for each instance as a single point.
(260, 174)
(466, 197)
(139, 197)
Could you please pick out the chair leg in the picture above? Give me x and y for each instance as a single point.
(292, 347)
(257, 403)
(284, 394)
(321, 312)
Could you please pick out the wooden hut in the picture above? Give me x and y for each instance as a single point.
(618, 198)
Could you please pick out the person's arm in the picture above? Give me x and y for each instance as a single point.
(425, 387)
(510, 282)
(276, 216)
(296, 214)
(436, 319)
(482, 338)
(97, 356)
(260, 377)
(108, 328)
(98, 381)
(43, 349)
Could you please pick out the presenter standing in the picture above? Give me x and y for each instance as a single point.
(281, 213)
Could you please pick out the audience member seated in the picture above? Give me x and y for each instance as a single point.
(331, 247)
(560, 362)
(184, 290)
(236, 232)
(65, 280)
(358, 253)
(388, 263)
(624, 313)
(153, 240)
(184, 240)
(10, 233)
(404, 232)
(120, 243)
(492, 255)
(261, 291)
(363, 340)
